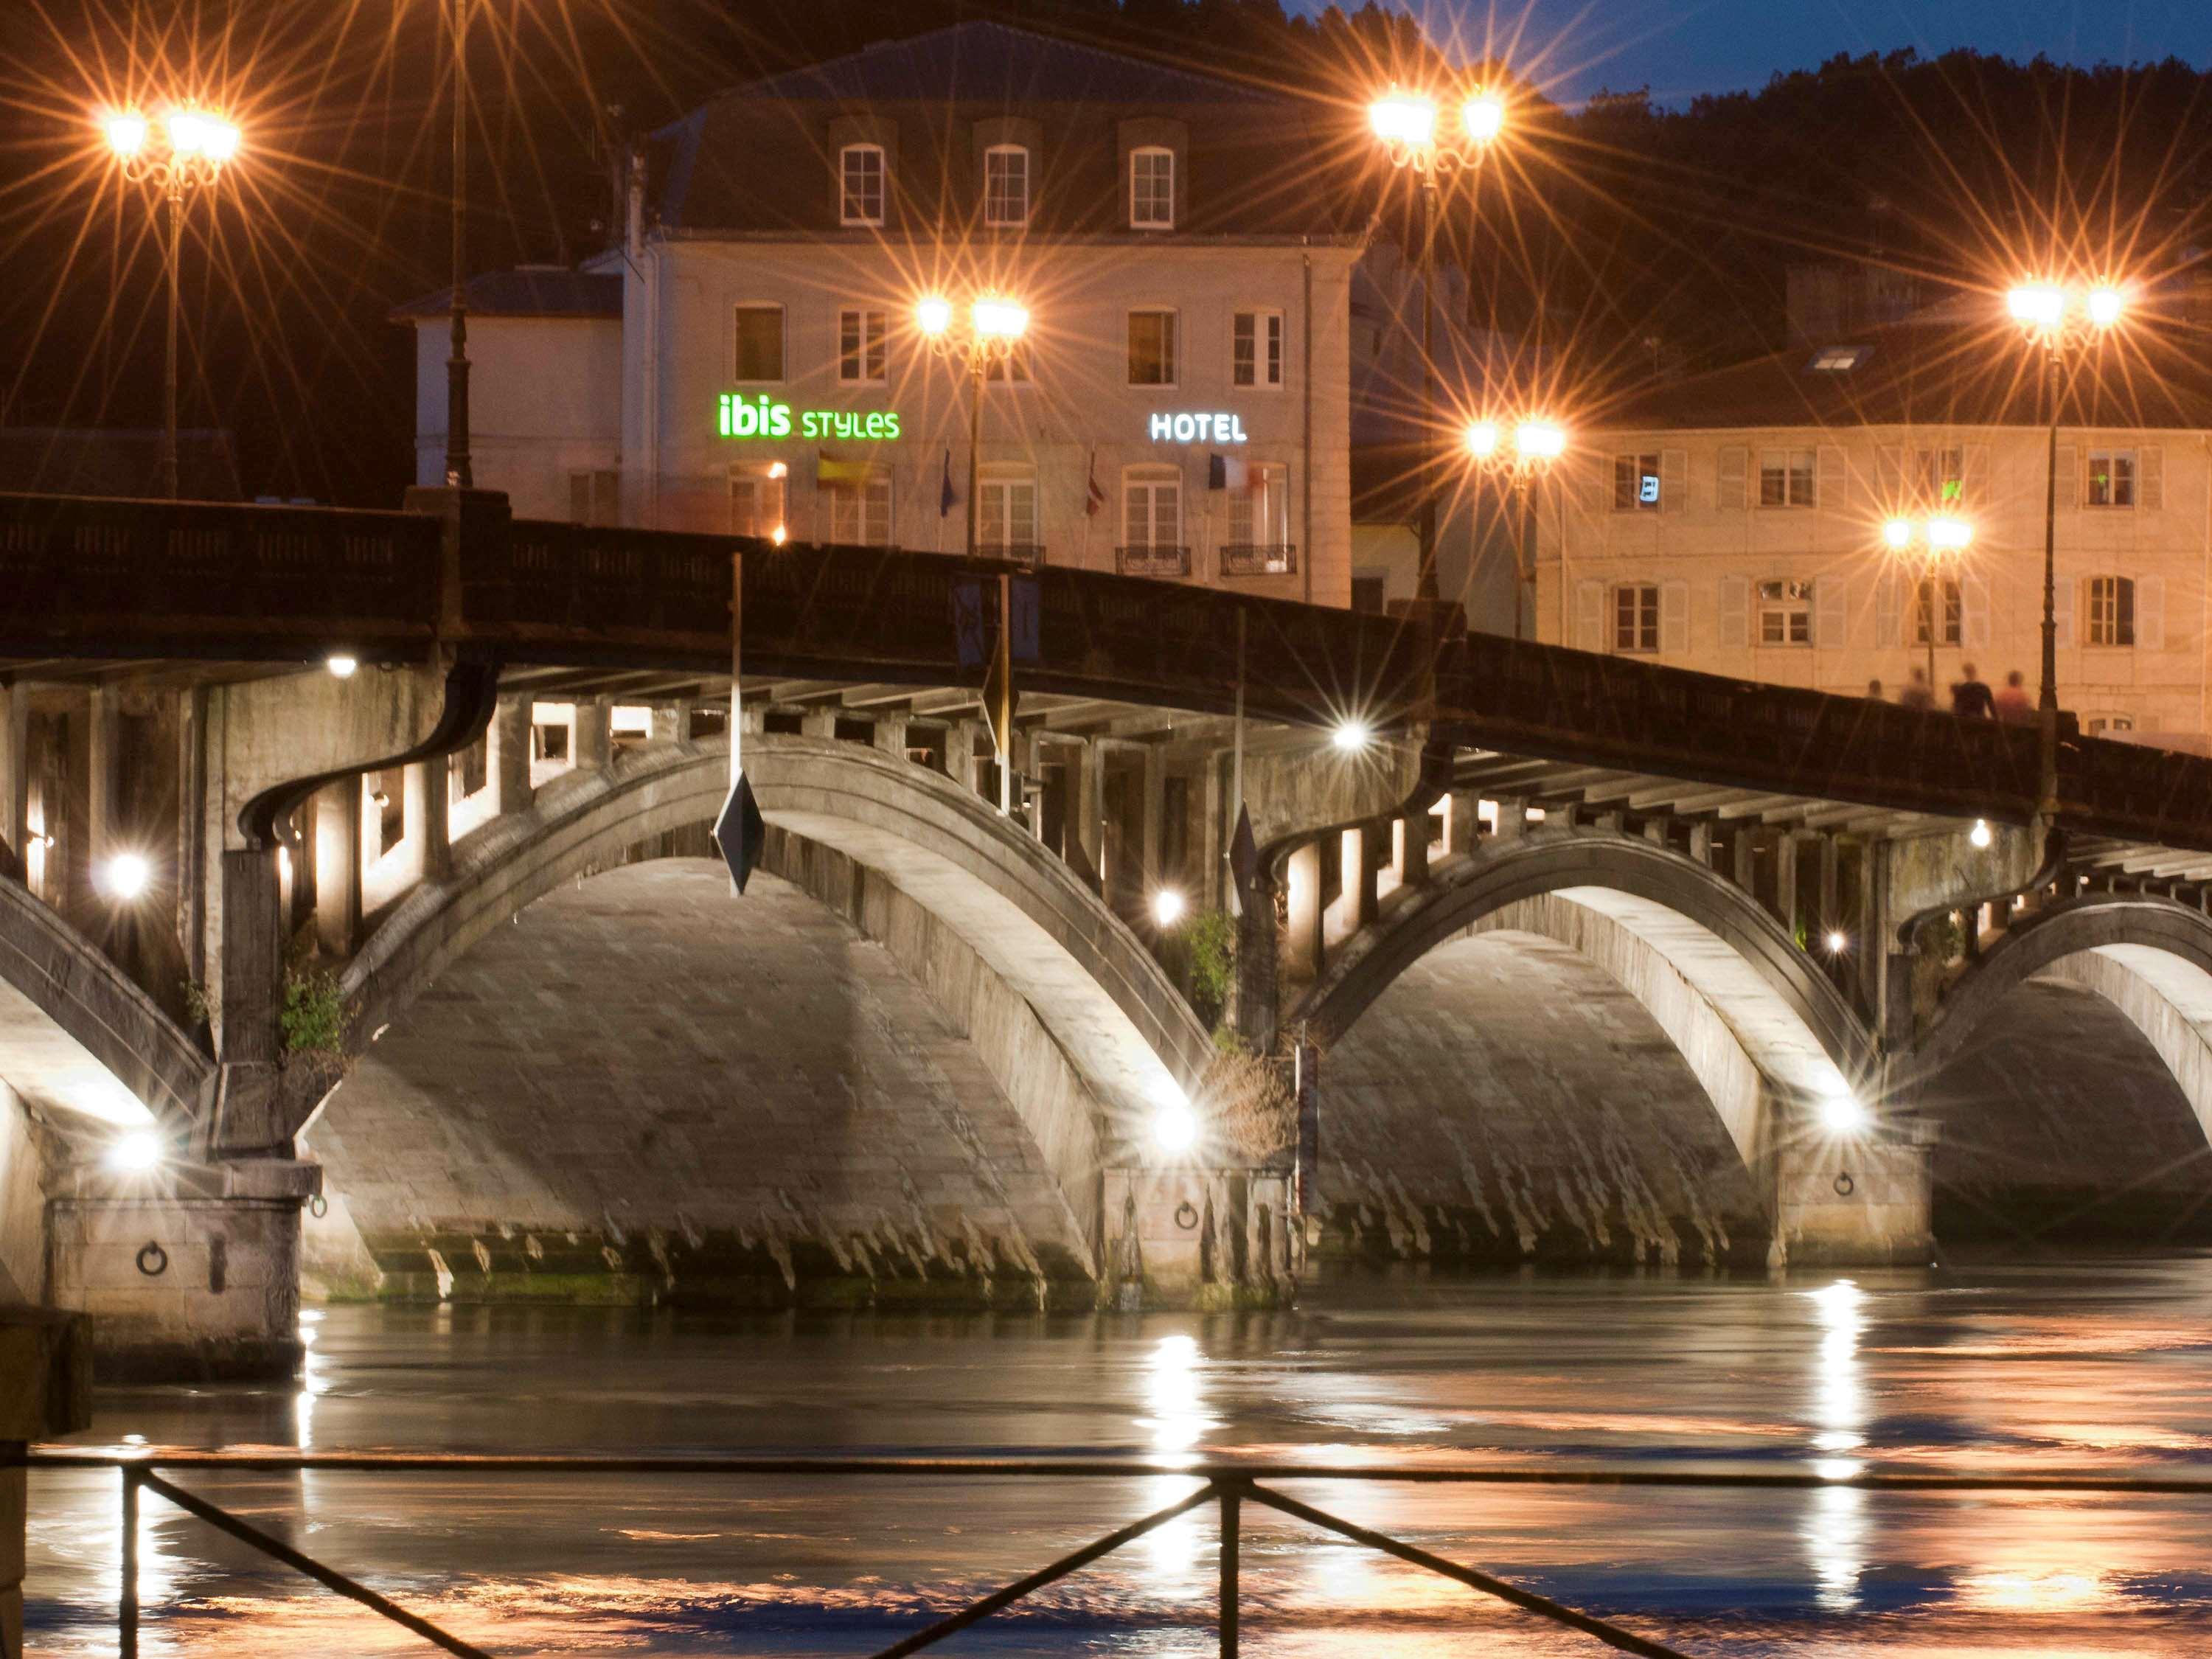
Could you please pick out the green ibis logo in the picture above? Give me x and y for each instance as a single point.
(737, 415)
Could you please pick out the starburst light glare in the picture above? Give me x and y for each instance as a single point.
(341, 664)
(128, 875)
(1842, 1115)
(2040, 305)
(1168, 907)
(1352, 736)
(1483, 116)
(1948, 534)
(1838, 941)
(1898, 533)
(126, 132)
(136, 1152)
(1979, 834)
(998, 319)
(1541, 440)
(1174, 1127)
(1403, 117)
(1482, 440)
(933, 315)
(2105, 306)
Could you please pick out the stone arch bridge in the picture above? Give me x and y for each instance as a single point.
(1572, 957)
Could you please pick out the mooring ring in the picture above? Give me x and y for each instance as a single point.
(1844, 1185)
(153, 1260)
(1186, 1215)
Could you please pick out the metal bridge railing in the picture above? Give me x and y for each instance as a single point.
(1229, 1486)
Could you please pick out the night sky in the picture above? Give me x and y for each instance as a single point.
(1681, 48)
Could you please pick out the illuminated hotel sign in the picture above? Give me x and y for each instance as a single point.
(1198, 429)
(737, 415)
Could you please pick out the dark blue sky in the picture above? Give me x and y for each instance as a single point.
(1683, 47)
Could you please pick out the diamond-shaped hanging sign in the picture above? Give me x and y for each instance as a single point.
(739, 832)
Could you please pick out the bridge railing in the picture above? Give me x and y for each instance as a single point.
(1231, 1487)
(1544, 701)
(82, 575)
(2135, 791)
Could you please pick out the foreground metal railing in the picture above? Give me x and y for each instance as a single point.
(1231, 1486)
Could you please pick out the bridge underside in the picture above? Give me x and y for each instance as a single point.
(640, 1091)
(1507, 1100)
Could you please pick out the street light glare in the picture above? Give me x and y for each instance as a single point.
(1838, 941)
(2105, 306)
(1175, 1127)
(1403, 117)
(1898, 533)
(1948, 534)
(1350, 736)
(933, 315)
(135, 1153)
(1168, 907)
(1541, 440)
(126, 132)
(1484, 117)
(1980, 835)
(1482, 440)
(2040, 305)
(128, 875)
(1844, 1114)
(998, 319)
(341, 664)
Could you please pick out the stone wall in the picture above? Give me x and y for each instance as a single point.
(22, 1208)
(641, 1091)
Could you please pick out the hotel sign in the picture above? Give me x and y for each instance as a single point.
(737, 415)
(1198, 429)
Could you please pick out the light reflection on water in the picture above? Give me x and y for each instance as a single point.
(2050, 1368)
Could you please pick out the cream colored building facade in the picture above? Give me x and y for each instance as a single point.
(1759, 552)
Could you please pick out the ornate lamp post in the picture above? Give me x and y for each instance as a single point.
(2057, 321)
(1936, 542)
(991, 333)
(181, 150)
(1533, 447)
(1407, 124)
(460, 472)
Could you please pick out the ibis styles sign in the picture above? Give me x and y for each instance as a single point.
(737, 415)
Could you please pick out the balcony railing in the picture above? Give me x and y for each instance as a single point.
(1030, 554)
(1152, 561)
(1259, 559)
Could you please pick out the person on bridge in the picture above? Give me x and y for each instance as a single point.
(1970, 697)
(1916, 693)
(2013, 706)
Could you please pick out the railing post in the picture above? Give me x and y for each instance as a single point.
(1232, 1521)
(127, 1601)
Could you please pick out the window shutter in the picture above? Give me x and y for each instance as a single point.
(1977, 479)
(1597, 485)
(1674, 480)
(1974, 612)
(2070, 484)
(1832, 487)
(1885, 594)
(2062, 612)
(1735, 611)
(1589, 615)
(1832, 617)
(2150, 613)
(1675, 618)
(1732, 481)
(2150, 478)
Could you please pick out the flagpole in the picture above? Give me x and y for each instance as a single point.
(1236, 766)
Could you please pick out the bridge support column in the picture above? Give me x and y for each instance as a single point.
(1305, 920)
(594, 736)
(45, 1390)
(509, 755)
(338, 867)
(15, 770)
(1853, 1200)
(429, 815)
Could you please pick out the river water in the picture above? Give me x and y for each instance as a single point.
(2099, 1366)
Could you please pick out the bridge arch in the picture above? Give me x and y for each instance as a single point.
(76, 1034)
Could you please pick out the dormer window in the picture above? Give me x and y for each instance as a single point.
(1005, 185)
(861, 185)
(1839, 359)
(1152, 188)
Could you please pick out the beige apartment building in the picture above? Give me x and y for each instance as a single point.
(1733, 522)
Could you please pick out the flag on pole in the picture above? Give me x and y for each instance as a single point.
(1096, 499)
(945, 491)
(1227, 472)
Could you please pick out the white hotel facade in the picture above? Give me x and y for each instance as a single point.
(1181, 406)
(1733, 523)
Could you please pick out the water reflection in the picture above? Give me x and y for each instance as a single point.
(1835, 1525)
(1183, 1554)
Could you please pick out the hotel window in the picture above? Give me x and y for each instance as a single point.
(1925, 595)
(857, 513)
(1255, 349)
(1006, 513)
(595, 497)
(861, 185)
(1259, 540)
(1151, 189)
(1636, 617)
(757, 500)
(1151, 348)
(1785, 613)
(2112, 477)
(1635, 484)
(2112, 611)
(758, 335)
(2098, 724)
(860, 357)
(1939, 476)
(1152, 510)
(1785, 477)
(1005, 185)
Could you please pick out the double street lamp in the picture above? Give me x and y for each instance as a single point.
(2057, 321)
(1936, 542)
(182, 150)
(1417, 137)
(1531, 448)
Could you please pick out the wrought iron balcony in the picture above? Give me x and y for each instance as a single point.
(1030, 554)
(1152, 561)
(1259, 559)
